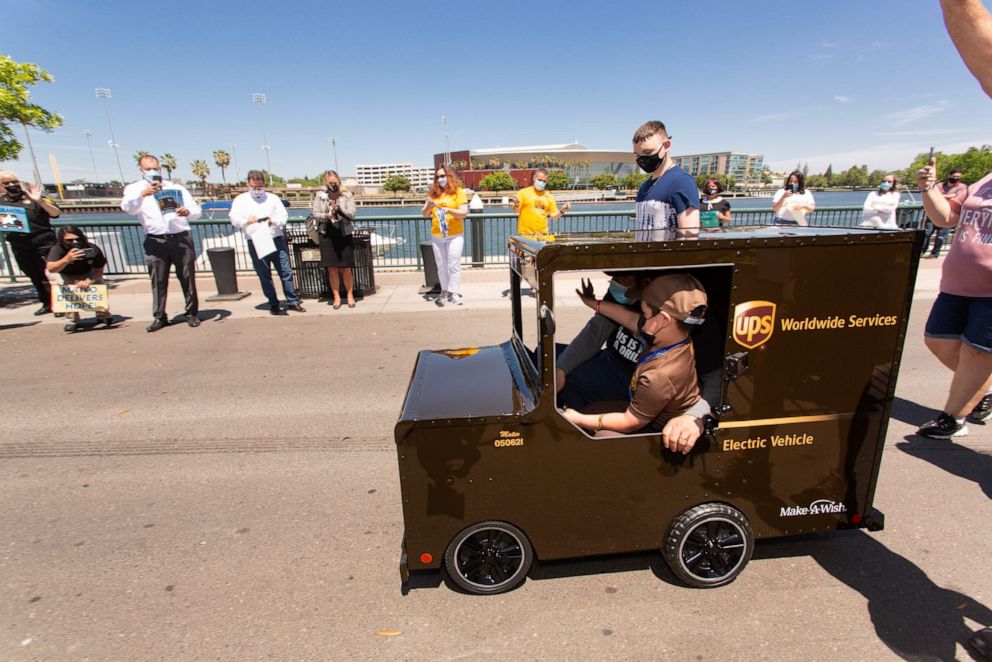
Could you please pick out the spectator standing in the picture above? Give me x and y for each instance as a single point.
(80, 263)
(951, 188)
(792, 203)
(534, 206)
(31, 248)
(447, 207)
(334, 209)
(713, 205)
(668, 199)
(258, 211)
(165, 210)
(880, 206)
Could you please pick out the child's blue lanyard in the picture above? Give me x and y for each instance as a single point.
(650, 357)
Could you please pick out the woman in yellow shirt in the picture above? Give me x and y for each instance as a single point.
(447, 206)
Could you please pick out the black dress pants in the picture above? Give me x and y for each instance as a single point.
(31, 254)
(161, 253)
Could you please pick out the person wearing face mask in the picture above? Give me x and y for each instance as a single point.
(792, 202)
(447, 207)
(712, 202)
(664, 384)
(534, 206)
(164, 210)
(31, 248)
(668, 199)
(249, 212)
(80, 263)
(951, 188)
(881, 205)
(334, 209)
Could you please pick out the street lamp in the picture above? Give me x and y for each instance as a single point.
(260, 99)
(104, 93)
(89, 134)
(334, 147)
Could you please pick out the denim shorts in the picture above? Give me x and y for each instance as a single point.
(968, 319)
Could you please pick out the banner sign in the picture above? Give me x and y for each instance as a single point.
(72, 299)
(14, 219)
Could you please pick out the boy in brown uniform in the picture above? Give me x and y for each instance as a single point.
(664, 384)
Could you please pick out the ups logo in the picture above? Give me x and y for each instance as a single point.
(754, 322)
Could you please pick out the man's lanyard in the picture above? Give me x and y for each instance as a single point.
(650, 357)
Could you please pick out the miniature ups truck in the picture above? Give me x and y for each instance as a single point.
(813, 322)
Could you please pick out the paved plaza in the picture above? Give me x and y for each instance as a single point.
(231, 492)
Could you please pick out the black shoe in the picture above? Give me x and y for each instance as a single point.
(943, 427)
(296, 308)
(106, 321)
(275, 310)
(157, 323)
(72, 328)
(193, 320)
(982, 410)
(44, 310)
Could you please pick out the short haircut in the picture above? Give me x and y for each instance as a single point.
(540, 171)
(146, 157)
(8, 174)
(648, 129)
(256, 174)
(955, 170)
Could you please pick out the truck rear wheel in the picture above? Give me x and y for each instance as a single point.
(709, 545)
(489, 557)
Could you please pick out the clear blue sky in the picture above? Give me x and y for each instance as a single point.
(842, 82)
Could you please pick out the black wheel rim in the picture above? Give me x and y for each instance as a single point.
(714, 549)
(489, 558)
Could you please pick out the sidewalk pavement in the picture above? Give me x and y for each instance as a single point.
(398, 292)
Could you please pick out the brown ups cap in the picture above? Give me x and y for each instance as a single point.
(680, 295)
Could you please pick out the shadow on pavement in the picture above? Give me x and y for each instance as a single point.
(954, 459)
(912, 413)
(913, 616)
(6, 327)
(17, 296)
(205, 315)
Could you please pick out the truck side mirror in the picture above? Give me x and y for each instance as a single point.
(547, 320)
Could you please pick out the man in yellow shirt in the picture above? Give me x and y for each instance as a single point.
(535, 205)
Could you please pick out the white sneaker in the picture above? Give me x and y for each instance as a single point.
(455, 299)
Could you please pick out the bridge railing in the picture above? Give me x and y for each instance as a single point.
(396, 240)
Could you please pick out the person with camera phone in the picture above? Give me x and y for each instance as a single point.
(30, 248)
(81, 264)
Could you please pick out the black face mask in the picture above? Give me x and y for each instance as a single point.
(648, 337)
(333, 188)
(14, 191)
(650, 162)
(954, 180)
(711, 191)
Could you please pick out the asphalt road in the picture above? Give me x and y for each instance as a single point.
(231, 492)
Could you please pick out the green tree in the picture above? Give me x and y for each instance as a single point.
(766, 176)
(140, 154)
(396, 183)
(876, 176)
(498, 181)
(604, 181)
(168, 161)
(633, 180)
(16, 107)
(829, 174)
(557, 180)
(200, 169)
(816, 181)
(222, 159)
(974, 163)
(726, 181)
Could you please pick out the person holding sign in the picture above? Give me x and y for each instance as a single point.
(535, 206)
(80, 264)
(447, 207)
(26, 220)
(792, 203)
(714, 209)
(164, 210)
(262, 216)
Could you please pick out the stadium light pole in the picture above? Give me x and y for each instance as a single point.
(89, 144)
(104, 94)
(334, 148)
(260, 99)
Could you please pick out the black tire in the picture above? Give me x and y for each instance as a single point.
(488, 557)
(709, 545)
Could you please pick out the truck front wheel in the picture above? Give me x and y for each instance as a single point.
(709, 545)
(488, 557)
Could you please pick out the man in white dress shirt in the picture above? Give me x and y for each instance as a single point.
(262, 216)
(164, 210)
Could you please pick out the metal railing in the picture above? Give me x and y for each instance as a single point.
(396, 240)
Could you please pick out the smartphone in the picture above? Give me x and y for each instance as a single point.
(930, 158)
(156, 178)
(89, 252)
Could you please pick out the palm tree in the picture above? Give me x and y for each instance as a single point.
(201, 170)
(168, 162)
(222, 159)
(140, 154)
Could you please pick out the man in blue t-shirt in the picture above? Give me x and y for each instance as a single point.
(669, 198)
